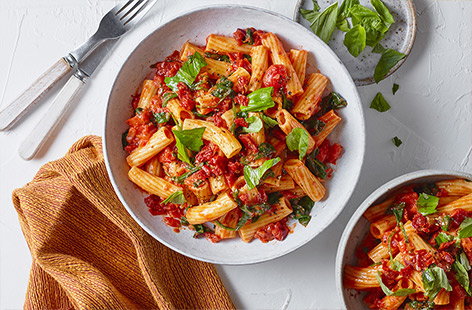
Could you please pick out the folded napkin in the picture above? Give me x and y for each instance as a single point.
(88, 253)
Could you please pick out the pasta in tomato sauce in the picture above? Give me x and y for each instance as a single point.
(229, 140)
(418, 252)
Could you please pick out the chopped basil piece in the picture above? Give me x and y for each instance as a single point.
(313, 125)
(218, 223)
(255, 124)
(316, 166)
(191, 171)
(287, 104)
(167, 97)
(188, 72)
(273, 198)
(355, 40)
(421, 305)
(177, 198)
(223, 88)
(190, 139)
(427, 204)
(297, 140)
(443, 237)
(124, 141)
(465, 230)
(216, 56)
(265, 150)
(383, 12)
(343, 14)
(259, 100)
(462, 258)
(333, 101)
(389, 292)
(396, 141)
(379, 103)
(387, 61)
(396, 265)
(302, 209)
(378, 49)
(395, 88)
(269, 121)
(397, 209)
(434, 279)
(445, 222)
(160, 117)
(462, 276)
(254, 176)
(138, 111)
(428, 188)
(324, 23)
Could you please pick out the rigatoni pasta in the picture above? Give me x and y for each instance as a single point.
(214, 145)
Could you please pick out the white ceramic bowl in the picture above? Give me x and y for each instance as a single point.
(358, 227)
(195, 26)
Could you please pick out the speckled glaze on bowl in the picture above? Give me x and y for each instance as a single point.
(358, 226)
(224, 20)
(401, 37)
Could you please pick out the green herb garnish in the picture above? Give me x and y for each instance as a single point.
(379, 103)
(177, 198)
(254, 176)
(259, 100)
(297, 140)
(188, 72)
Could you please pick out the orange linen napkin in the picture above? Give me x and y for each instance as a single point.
(88, 253)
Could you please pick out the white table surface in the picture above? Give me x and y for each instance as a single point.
(431, 113)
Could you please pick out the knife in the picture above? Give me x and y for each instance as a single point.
(63, 101)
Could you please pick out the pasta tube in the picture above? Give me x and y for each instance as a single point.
(152, 184)
(303, 177)
(158, 141)
(211, 210)
(308, 103)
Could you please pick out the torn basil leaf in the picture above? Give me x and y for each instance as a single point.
(176, 198)
(254, 176)
(259, 100)
(379, 103)
(188, 72)
(297, 140)
(387, 61)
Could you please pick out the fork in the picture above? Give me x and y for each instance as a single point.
(113, 25)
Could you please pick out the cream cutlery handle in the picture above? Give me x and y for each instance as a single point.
(29, 97)
(49, 121)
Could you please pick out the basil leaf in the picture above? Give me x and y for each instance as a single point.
(298, 139)
(387, 61)
(124, 141)
(255, 124)
(344, 10)
(421, 305)
(389, 292)
(302, 209)
(465, 230)
(309, 15)
(218, 223)
(333, 101)
(445, 222)
(177, 198)
(216, 56)
(191, 171)
(355, 40)
(397, 209)
(375, 30)
(396, 265)
(287, 104)
(313, 125)
(383, 12)
(265, 150)
(434, 279)
(273, 198)
(443, 237)
(254, 176)
(190, 139)
(160, 117)
(138, 111)
(269, 121)
(188, 72)
(315, 166)
(324, 24)
(427, 203)
(379, 103)
(167, 97)
(396, 141)
(378, 49)
(427, 188)
(359, 12)
(395, 88)
(224, 88)
(259, 100)
(462, 258)
(462, 276)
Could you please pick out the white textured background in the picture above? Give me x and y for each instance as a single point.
(431, 113)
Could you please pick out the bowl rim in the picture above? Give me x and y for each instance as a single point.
(362, 136)
(392, 184)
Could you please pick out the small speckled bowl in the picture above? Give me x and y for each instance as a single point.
(400, 37)
(358, 226)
